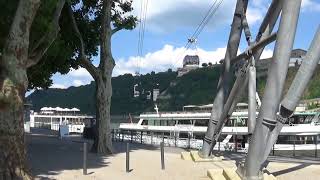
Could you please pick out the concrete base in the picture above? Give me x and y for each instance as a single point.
(194, 156)
(231, 174)
(185, 156)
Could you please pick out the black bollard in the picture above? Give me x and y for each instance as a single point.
(189, 139)
(273, 150)
(316, 148)
(175, 139)
(151, 138)
(127, 159)
(85, 158)
(162, 155)
(122, 132)
(294, 146)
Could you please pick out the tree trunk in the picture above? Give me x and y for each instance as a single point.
(12, 148)
(103, 137)
(13, 85)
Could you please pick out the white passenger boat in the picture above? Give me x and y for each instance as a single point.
(54, 118)
(196, 122)
(302, 128)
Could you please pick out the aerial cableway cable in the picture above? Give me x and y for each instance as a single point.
(209, 14)
(142, 26)
(212, 10)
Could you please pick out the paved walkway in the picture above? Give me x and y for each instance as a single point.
(52, 158)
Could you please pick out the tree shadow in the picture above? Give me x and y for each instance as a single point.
(291, 169)
(48, 155)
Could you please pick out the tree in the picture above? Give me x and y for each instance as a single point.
(209, 64)
(204, 65)
(22, 47)
(106, 17)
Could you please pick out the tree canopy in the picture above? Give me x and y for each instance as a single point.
(63, 54)
(59, 56)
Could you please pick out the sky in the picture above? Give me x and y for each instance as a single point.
(171, 22)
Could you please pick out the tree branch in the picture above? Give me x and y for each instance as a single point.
(45, 42)
(84, 61)
(113, 31)
(15, 52)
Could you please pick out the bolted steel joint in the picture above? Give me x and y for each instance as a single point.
(215, 122)
(269, 122)
(281, 119)
(207, 139)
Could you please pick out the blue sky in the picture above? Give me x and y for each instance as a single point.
(170, 23)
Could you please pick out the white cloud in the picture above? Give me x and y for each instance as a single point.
(310, 5)
(254, 15)
(158, 61)
(171, 15)
(80, 72)
(171, 57)
(168, 15)
(267, 53)
(165, 58)
(78, 82)
(58, 86)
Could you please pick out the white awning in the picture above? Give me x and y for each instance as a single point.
(44, 109)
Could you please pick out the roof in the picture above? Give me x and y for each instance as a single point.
(206, 106)
(242, 104)
(189, 106)
(298, 53)
(59, 109)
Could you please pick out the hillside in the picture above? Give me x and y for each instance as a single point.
(123, 101)
(196, 87)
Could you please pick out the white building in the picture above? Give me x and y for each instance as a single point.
(189, 63)
(155, 93)
(136, 93)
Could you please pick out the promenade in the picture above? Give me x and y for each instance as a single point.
(52, 158)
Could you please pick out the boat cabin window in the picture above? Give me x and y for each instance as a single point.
(144, 122)
(237, 122)
(185, 121)
(162, 122)
(301, 119)
(201, 122)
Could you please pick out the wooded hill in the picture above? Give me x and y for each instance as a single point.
(197, 87)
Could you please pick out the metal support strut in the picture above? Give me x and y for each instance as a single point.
(266, 121)
(223, 85)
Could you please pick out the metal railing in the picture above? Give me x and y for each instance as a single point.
(292, 146)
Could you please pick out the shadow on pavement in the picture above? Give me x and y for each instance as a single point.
(49, 155)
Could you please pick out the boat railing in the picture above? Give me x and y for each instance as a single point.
(177, 112)
(312, 123)
(189, 112)
(307, 145)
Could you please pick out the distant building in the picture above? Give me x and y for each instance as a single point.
(136, 93)
(155, 94)
(26, 116)
(189, 63)
(311, 102)
(148, 95)
(296, 57)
